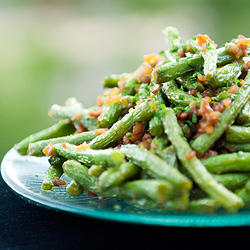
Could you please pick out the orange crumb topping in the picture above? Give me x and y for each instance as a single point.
(227, 102)
(76, 116)
(93, 113)
(154, 89)
(239, 46)
(209, 117)
(190, 155)
(121, 85)
(138, 103)
(201, 78)
(202, 41)
(204, 106)
(153, 59)
(242, 82)
(48, 150)
(80, 128)
(233, 89)
(99, 101)
(58, 182)
(89, 193)
(113, 99)
(143, 72)
(100, 131)
(233, 48)
(209, 129)
(114, 91)
(82, 146)
(101, 198)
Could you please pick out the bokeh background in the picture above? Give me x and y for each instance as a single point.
(52, 50)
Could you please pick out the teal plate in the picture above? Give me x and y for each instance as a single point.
(24, 175)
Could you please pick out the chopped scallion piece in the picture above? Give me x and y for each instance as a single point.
(194, 118)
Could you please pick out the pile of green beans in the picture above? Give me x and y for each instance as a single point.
(171, 164)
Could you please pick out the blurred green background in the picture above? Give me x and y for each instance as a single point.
(51, 50)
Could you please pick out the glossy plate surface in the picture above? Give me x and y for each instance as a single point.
(24, 175)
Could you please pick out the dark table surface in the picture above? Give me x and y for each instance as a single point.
(24, 225)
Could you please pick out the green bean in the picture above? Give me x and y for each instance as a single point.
(116, 176)
(204, 141)
(205, 205)
(174, 69)
(160, 148)
(111, 113)
(169, 155)
(159, 98)
(247, 124)
(131, 83)
(112, 80)
(247, 186)
(74, 188)
(159, 143)
(227, 73)
(78, 172)
(190, 45)
(35, 149)
(189, 82)
(77, 114)
(172, 41)
(210, 60)
(50, 174)
(225, 57)
(232, 181)
(238, 134)
(56, 160)
(173, 44)
(176, 95)
(245, 147)
(186, 130)
(59, 129)
(199, 173)
(156, 167)
(143, 112)
(196, 193)
(228, 162)
(143, 91)
(72, 101)
(155, 125)
(244, 115)
(105, 157)
(144, 175)
(96, 170)
(156, 190)
(244, 195)
(229, 179)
